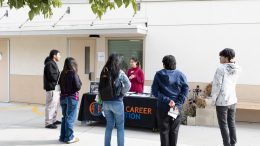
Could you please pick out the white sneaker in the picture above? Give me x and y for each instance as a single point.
(74, 140)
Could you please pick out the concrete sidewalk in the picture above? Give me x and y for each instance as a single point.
(23, 125)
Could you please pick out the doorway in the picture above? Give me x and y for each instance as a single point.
(83, 50)
(4, 70)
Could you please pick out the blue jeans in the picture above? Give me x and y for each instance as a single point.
(69, 113)
(114, 113)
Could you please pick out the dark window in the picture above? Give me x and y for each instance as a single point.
(87, 60)
(128, 49)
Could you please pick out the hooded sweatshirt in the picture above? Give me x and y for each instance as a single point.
(170, 85)
(51, 74)
(70, 84)
(224, 84)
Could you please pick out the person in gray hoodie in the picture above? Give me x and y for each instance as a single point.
(224, 95)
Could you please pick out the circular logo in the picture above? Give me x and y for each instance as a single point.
(95, 109)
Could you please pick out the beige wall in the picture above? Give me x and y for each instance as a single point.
(27, 57)
(244, 115)
(4, 70)
(101, 47)
(77, 50)
(28, 53)
(27, 88)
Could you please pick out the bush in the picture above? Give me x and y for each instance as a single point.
(201, 102)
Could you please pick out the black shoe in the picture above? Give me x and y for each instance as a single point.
(61, 141)
(51, 126)
(57, 123)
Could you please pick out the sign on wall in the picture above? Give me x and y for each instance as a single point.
(101, 56)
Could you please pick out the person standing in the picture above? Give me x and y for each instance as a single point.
(171, 89)
(70, 85)
(51, 77)
(224, 95)
(136, 76)
(114, 84)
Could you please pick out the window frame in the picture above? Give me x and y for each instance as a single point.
(127, 38)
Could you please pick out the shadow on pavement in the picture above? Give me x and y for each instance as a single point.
(29, 142)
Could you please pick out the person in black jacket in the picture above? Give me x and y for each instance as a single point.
(70, 85)
(51, 77)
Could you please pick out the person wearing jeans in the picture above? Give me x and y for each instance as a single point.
(114, 113)
(70, 85)
(69, 112)
(113, 106)
(170, 87)
(224, 95)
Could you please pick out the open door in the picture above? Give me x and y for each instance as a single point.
(83, 50)
(4, 70)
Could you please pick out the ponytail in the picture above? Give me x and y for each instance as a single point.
(138, 64)
(136, 60)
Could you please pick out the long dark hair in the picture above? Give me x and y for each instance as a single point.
(113, 65)
(70, 65)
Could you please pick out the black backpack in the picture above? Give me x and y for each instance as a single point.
(106, 86)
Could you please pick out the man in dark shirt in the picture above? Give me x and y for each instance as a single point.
(51, 77)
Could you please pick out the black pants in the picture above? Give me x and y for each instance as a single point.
(226, 121)
(169, 128)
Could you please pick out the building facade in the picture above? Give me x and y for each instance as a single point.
(193, 31)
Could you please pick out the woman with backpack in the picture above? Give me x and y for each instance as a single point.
(113, 86)
(70, 85)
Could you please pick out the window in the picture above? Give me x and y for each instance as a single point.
(87, 60)
(128, 49)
